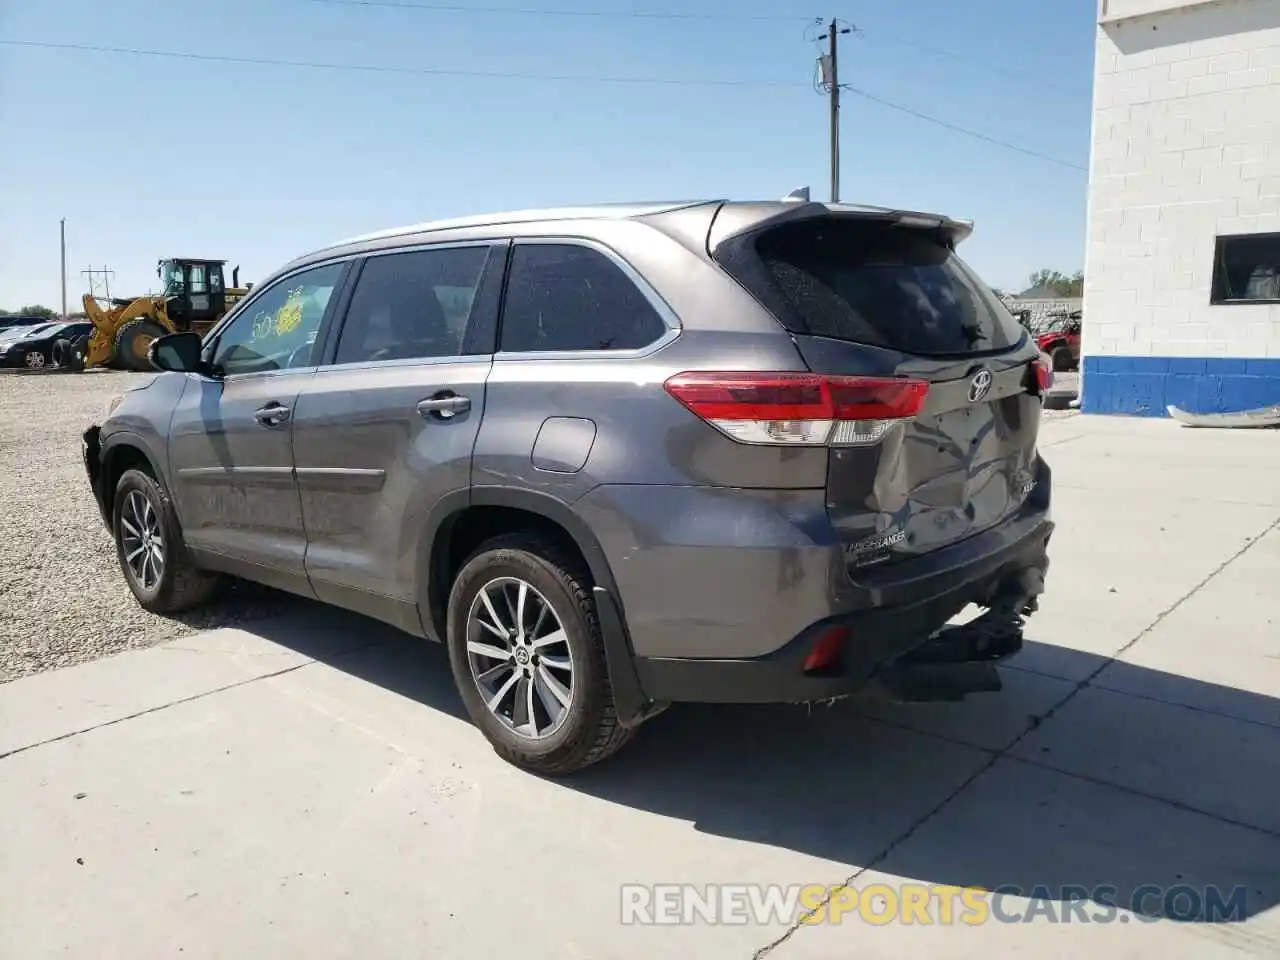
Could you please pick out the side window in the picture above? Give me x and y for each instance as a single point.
(412, 305)
(278, 330)
(198, 282)
(570, 297)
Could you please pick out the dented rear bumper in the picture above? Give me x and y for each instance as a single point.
(904, 645)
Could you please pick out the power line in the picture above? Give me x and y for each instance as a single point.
(997, 69)
(510, 75)
(1010, 73)
(556, 12)
(377, 68)
(959, 129)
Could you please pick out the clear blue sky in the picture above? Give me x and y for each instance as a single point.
(149, 157)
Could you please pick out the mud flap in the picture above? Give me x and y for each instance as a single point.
(633, 706)
(956, 662)
(91, 454)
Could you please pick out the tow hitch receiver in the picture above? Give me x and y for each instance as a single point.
(955, 662)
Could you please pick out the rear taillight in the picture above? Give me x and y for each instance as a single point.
(799, 408)
(1043, 369)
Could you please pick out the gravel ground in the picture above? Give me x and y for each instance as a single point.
(63, 599)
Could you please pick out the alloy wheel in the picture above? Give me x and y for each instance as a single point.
(34, 359)
(518, 654)
(141, 540)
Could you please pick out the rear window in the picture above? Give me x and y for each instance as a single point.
(896, 287)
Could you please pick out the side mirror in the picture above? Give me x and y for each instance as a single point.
(179, 352)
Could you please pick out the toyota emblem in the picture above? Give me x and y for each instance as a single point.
(979, 386)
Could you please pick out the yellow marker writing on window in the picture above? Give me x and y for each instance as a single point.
(289, 316)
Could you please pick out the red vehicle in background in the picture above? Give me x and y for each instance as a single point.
(1060, 339)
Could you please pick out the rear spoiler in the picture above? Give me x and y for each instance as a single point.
(736, 219)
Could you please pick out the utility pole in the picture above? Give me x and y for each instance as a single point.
(829, 74)
(106, 276)
(62, 230)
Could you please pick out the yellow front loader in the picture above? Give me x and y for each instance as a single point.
(194, 298)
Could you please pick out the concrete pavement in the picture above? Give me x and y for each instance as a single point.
(310, 787)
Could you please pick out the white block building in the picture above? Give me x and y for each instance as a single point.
(1182, 268)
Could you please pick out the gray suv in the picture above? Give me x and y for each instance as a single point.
(614, 457)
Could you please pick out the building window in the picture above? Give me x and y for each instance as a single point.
(1246, 269)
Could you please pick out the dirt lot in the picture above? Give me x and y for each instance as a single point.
(62, 598)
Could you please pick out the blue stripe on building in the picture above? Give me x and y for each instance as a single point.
(1145, 386)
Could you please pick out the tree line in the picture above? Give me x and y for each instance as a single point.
(38, 310)
(1059, 284)
(1062, 285)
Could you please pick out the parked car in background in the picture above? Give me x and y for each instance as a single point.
(13, 333)
(11, 320)
(613, 457)
(34, 348)
(1060, 339)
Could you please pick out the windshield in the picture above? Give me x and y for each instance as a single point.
(171, 281)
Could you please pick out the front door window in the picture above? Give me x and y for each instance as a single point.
(278, 330)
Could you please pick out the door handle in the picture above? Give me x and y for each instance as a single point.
(444, 405)
(273, 414)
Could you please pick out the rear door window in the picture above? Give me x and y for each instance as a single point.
(852, 279)
(413, 305)
(568, 297)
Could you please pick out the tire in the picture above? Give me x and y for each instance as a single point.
(78, 350)
(129, 348)
(35, 360)
(1060, 356)
(588, 730)
(180, 584)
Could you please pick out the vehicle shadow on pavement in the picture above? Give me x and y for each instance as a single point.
(1144, 797)
(364, 648)
(1153, 790)
(242, 603)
